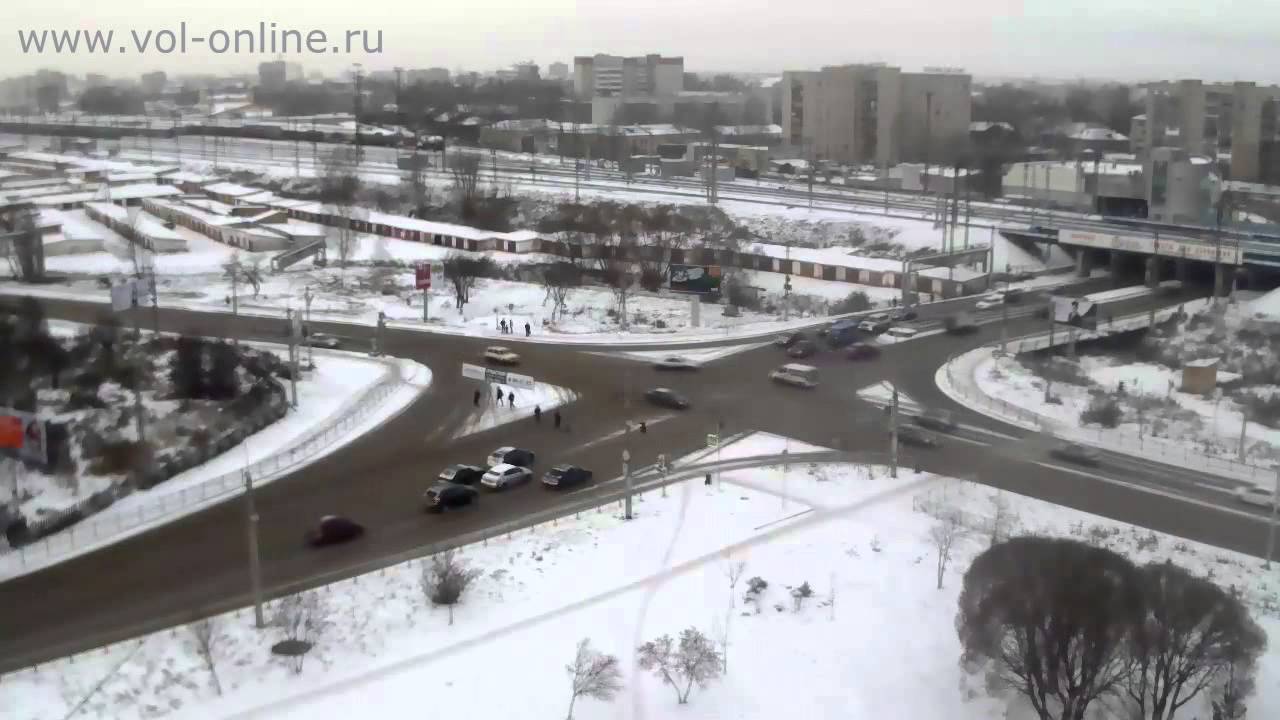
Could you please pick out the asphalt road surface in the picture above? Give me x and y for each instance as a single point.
(197, 565)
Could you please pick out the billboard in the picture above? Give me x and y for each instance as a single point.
(422, 276)
(477, 372)
(23, 435)
(695, 278)
(1073, 311)
(1104, 241)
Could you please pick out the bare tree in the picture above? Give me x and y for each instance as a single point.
(693, 661)
(1050, 619)
(339, 190)
(1193, 636)
(208, 636)
(24, 248)
(800, 594)
(560, 279)
(465, 168)
(462, 271)
(303, 617)
(1001, 519)
(943, 535)
(733, 571)
(594, 674)
(445, 579)
(1236, 684)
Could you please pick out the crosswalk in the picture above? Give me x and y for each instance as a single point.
(881, 395)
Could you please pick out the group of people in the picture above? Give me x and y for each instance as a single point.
(510, 397)
(508, 327)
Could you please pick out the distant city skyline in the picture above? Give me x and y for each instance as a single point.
(1127, 40)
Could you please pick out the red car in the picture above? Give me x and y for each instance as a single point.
(863, 351)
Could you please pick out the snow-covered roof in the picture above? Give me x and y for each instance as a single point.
(124, 192)
(1098, 134)
(184, 176)
(231, 189)
(749, 129)
(959, 274)
(1201, 363)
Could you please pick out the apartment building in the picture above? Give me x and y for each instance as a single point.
(1216, 119)
(609, 82)
(875, 114)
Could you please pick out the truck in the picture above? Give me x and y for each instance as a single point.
(960, 323)
(843, 333)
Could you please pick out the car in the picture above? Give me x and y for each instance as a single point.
(325, 340)
(334, 530)
(1076, 453)
(501, 355)
(668, 398)
(801, 376)
(919, 437)
(786, 341)
(507, 455)
(563, 476)
(443, 495)
(503, 476)
(877, 316)
(937, 420)
(1256, 496)
(992, 300)
(862, 351)
(675, 362)
(461, 474)
(904, 315)
(842, 333)
(1013, 295)
(875, 327)
(802, 349)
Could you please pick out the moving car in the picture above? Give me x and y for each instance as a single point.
(802, 376)
(1255, 496)
(503, 476)
(501, 355)
(843, 332)
(507, 455)
(334, 530)
(802, 349)
(444, 495)
(786, 341)
(937, 420)
(1076, 453)
(461, 474)
(668, 398)
(903, 314)
(862, 351)
(675, 362)
(562, 476)
(325, 340)
(875, 327)
(991, 300)
(912, 435)
(960, 323)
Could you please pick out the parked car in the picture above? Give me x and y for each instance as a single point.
(919, 437)
(802, 376)
(1255, 496)
(461, 474)
(675, 362)
(334, 530)
(503, 476)
(445, 495)
(325, 340)
(501, 355)
(786, 341)
(938, 420)
(904, 314)
(802, 349)
(511, 456)
(1076, 453)
(862, 351)
(668, 398)
(875, 327)
(562, 476)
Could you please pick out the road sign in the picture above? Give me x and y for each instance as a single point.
(477, 372)
(422, 276)
(713, 440)
(23, 434)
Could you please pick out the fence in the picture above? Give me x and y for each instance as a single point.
(157, 506)
(959, 371)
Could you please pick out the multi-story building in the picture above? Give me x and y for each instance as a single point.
(558, 71)
(153, 82)
(428, 75)
(273, 75)
(1215, 119)
(610, 82)
(875, 114)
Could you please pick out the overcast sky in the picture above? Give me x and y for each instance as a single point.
(1124, 39)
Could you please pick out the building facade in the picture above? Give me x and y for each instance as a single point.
(272, 75)
(611, 82)
(1213, 119)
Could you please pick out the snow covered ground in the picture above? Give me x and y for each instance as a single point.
(876, 639)
(493, 413)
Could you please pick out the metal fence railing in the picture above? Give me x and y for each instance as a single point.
(159, 505)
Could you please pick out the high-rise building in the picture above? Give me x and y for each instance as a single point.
(558, 71)
(273, 75)
(428, 75)
(153, 82)
(1213, 119)
(609, 82)
(876, 114)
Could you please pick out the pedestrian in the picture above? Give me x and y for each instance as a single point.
(707, 481)
(557, 419)
(527, 330)
(475, 399)
(537, 413)
(499, 394)
(503, 325)
(511, 397)
(643, 428)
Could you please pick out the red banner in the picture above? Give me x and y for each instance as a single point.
(423, 276)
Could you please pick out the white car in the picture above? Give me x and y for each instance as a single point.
(1255, 496)
(802, 376)
(503, 476)
(993, 300)
(324, 340)
(501, 355)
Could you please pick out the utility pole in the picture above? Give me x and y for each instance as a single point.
(1244, 425)
(626, 479)
(307, 297)
(786, 287)
(255, 566)
(893, 435)
(1048, 381)
(1271, 527)
(235, 288)
(293, 356)
(1004, 319)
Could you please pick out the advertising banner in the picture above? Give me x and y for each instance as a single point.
(695, 278)
(23, 435)
(477, 372)
(422, 276)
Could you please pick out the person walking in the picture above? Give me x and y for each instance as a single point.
(527, 330)
(475, 399)
(557, 419)
(511, 398)
(503, 325)
(499, 394)
(537, 414)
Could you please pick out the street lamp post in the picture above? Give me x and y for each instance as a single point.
(255, 566)
(1271, 527)
(626, 479)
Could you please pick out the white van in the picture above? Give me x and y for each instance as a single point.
(805, 376)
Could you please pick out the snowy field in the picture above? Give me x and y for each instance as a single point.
(876, 639)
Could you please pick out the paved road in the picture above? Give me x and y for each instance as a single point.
(195, 566)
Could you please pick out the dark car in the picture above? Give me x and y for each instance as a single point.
(445, 495)
(786, 341)
(903, 315)
(675, 362)
(912, 435)
(333, 530)
(862, 351)
(668, 398)
(562, 476)
(843, 332)
(1013, 295)
(802, 349)
(939, 420)
(1076, 453)
(462, 474)
(875, 327)
(511, 456)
